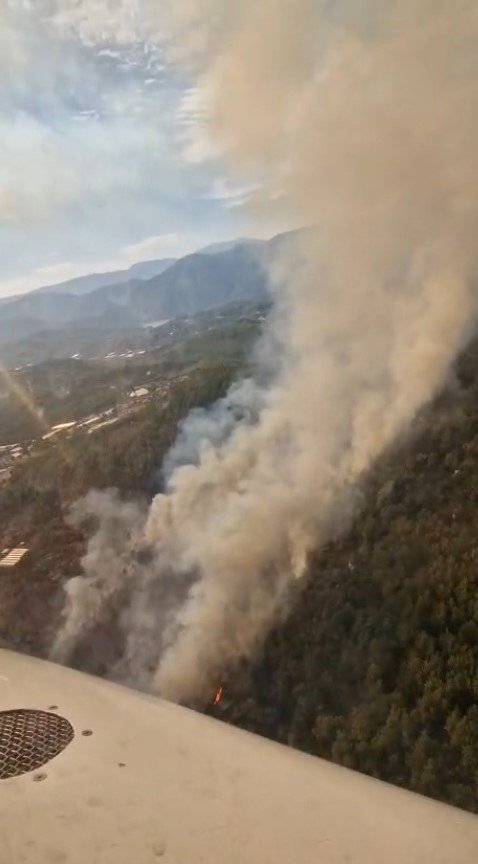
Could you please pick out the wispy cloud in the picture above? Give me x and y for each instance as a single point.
(192, 128)
(101, 142)
(151, 248)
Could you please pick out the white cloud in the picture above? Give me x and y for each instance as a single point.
(76, 118)
(191, 118)
(230, 195)
(151, 247)
(97, 20)
(161, 246)
(43, 168)
(100, 144)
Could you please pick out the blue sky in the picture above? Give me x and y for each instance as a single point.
(104, 154)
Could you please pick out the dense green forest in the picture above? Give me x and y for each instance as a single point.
(375, 664)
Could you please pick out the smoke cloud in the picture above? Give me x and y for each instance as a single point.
(363, 121)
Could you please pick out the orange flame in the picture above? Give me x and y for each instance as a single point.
(218, 696)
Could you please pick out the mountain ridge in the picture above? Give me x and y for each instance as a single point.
(195, 283)
(80, 285)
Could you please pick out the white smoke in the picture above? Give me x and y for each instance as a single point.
(365, 125)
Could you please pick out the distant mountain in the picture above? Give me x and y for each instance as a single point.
(199, 282)
(85, 284)
(226, 245)
(81, 284)
(148, 269)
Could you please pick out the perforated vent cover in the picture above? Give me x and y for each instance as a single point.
(29, 739)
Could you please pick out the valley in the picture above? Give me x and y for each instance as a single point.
(100, 423)
(70, 319)
(375, 664)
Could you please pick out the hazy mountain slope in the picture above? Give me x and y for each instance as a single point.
(148, 269)
(51, 308)
(199, 282)
(84, 284)
(195, 283)
(226, 245)
(38, 311)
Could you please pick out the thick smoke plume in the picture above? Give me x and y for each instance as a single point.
(363, 120)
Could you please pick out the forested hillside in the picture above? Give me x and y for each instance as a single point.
(70, 389)
(34, 505)
(376, 666)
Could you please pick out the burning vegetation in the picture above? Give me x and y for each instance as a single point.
(218, 695)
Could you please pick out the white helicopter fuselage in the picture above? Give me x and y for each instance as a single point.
(144, 781)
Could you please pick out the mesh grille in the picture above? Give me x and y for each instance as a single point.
(29, 739)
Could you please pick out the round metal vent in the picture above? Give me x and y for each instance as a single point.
(29, 739)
